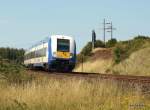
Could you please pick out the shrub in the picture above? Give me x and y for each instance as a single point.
(12, 72)
(99, 43)
(124, 49)
(111, 43)
(142, 37)
(86, 51)
(117, 54)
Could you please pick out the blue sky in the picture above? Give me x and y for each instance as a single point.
(22, 23)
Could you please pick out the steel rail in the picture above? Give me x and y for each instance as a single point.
(127, 78)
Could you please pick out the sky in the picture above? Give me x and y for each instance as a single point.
(24, 22)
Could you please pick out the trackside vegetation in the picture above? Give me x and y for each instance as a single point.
(13, 72)
(12, 54)
(11, 65)
(124, 49)
(21, 90)
(87, 49)
(72, 94)
(121, 49)
(131, 57)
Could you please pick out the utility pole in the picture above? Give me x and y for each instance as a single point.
(111, 29)
(104, 30)
(107, 26)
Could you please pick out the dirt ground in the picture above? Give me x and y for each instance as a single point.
(102, 53)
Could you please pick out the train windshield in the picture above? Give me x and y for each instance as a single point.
(63, 45)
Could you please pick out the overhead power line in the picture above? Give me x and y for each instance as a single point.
(107, 27)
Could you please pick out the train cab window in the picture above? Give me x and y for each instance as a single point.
(63, 45)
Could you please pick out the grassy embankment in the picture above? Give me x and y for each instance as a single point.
(126, 57)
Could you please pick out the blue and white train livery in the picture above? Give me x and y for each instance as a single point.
(57, 52)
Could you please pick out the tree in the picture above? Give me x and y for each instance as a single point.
(12, 54)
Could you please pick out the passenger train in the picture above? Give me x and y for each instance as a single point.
(57, 52)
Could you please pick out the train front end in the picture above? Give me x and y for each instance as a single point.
(63, 53)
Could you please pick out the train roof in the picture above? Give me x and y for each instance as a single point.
(45, 40)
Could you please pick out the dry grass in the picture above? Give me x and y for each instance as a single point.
(138, 63)
(71, 94)
(98, 66)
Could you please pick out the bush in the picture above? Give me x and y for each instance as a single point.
(141, 37)
(99, 43)
(86, 51)
(124, 49)
(13, 73)
(111, 43)
(117, 54)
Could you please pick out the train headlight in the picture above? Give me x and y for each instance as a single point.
(71, 55)
(54, 54)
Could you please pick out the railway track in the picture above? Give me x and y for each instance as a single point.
(121, 78)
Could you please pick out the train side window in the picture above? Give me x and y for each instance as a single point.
(30, 56)
(42, 52)
(33, 54)
(37, 53)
